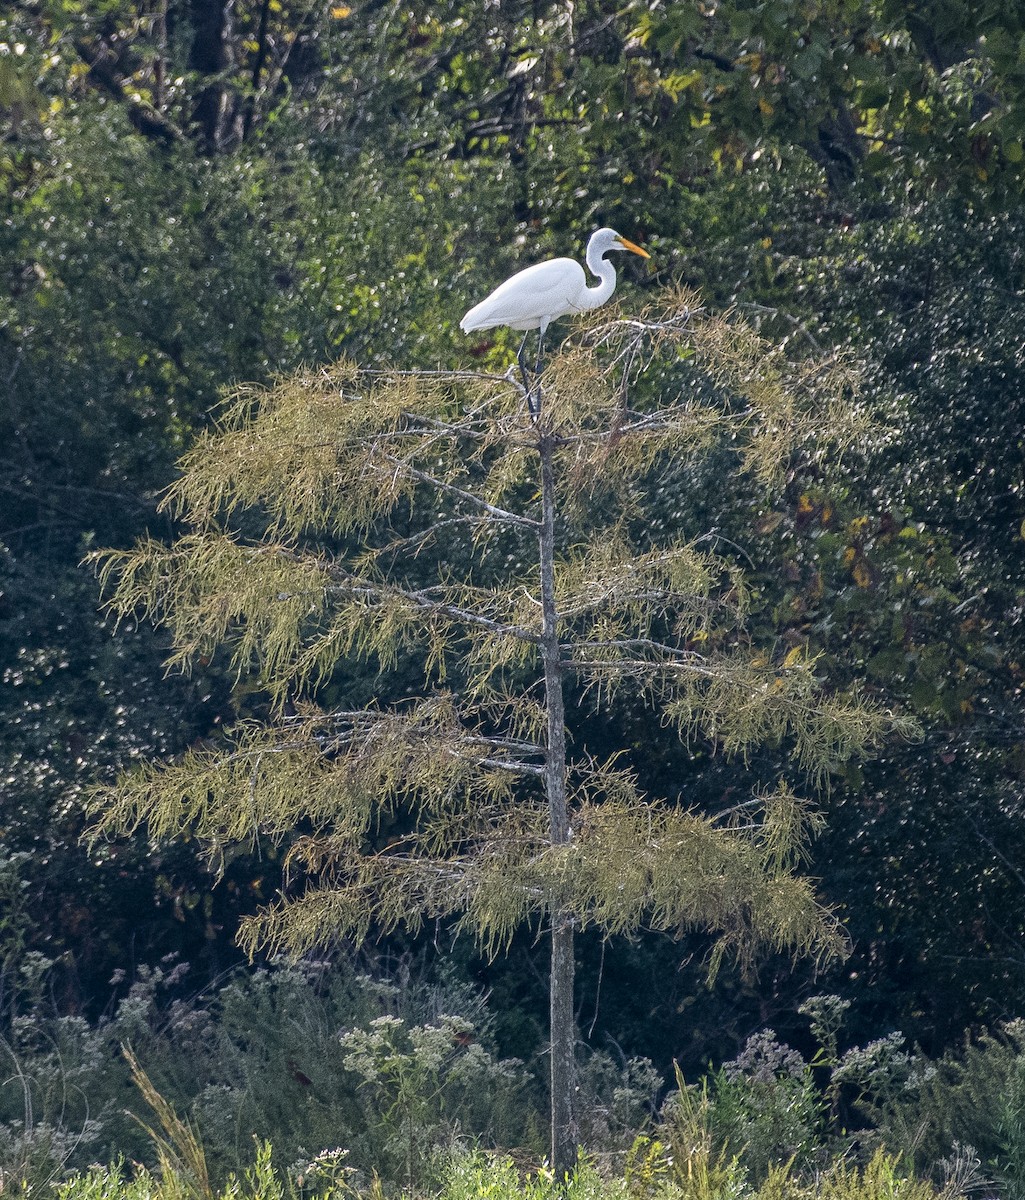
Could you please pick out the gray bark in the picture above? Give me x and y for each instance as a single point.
(562, 1023)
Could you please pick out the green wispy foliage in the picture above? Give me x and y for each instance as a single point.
(342, 514)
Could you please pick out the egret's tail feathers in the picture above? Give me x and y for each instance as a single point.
(477, 318)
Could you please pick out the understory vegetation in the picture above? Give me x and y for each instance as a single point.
(318, 1079)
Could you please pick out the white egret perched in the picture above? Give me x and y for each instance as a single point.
(538, 295)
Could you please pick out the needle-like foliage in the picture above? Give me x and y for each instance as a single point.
(428, 518)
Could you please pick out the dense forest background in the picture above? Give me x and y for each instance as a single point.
(198, 192)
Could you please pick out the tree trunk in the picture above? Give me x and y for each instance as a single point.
(562, 1025)
(210, 56)
(563, 1037)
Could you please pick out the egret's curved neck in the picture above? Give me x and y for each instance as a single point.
(599, 265)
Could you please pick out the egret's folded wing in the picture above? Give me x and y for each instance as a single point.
(532, 296)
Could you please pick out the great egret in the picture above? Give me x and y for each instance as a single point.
(538, 295)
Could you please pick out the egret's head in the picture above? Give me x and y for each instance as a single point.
(607, 239)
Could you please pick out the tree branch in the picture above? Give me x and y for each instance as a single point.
(673, 656)
(492, 510)
(416, 541)
(429, 603)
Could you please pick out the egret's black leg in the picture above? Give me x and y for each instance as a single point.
(534, 394)
(523, 365)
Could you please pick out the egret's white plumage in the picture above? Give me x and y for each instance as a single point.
(536, 296)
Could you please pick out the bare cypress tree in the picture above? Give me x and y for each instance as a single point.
(427, 516)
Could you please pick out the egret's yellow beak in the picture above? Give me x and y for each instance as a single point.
(632, 248)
